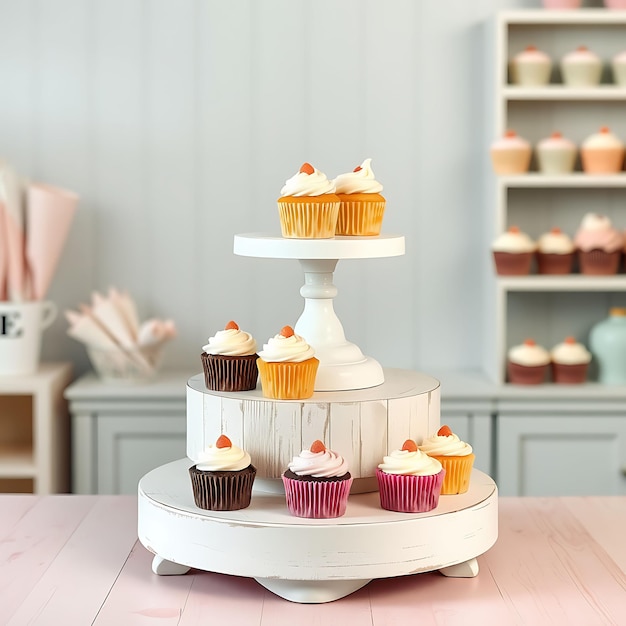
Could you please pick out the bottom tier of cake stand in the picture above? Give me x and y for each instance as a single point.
(312, 561)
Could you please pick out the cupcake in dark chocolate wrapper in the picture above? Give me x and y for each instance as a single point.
(570, 362)
(527, 364)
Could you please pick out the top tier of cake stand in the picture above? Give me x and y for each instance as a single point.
(343, 365)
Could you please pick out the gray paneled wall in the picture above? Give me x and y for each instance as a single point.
(177, 122)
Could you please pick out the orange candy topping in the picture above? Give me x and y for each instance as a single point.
(510, 133)
(287, 331)
(231, 326)
(307, 168)
(444, 431)
(358, 168)
(514, 229)
(409, 445)
(570, 340)
(317, 446)
(529, 342)
(223, 442)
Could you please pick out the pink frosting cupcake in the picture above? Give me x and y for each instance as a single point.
(599, 246)
(317, 483)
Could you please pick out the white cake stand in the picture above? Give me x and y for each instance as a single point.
(342, 364)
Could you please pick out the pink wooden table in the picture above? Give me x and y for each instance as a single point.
(75, 560)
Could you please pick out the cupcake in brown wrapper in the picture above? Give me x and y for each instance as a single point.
(525, 374)
(555, 263)
(527, 363)
(222, 491)
(599, 245)
(513, 253)
(599, 262)
(570, 362)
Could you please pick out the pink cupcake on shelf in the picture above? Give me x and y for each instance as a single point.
(570, 362)
(556, 155)
(317, 483)
(555, 253)
(527, 363)
(409, 481)
(531, 67)
(510, 154)
(602, 153)
(599, 246)
(513, 253)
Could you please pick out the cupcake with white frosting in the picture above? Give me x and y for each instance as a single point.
(556, 155)
(602, 153)
(599, 245)
(527, 363)
(409, 481)
(317, 483)
(555, 252)
(510, 154)
(581, 68)
(531, 67)
(570, 362)
(513, 252)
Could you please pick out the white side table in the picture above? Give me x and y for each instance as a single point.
(34, 431)
(121, 431)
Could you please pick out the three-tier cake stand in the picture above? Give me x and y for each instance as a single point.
(360, 409)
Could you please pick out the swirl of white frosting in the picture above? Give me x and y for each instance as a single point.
(303, 184)
(569, 352)
(529, 354)
(410, 463)
(603, 139)
(325, 464)
(445, 445)
(229, 459)
(555, 242)
(513, 241)
(280, 349)
(361, 180)
(231, 342)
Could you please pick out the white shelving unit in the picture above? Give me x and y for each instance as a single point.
(548, 308)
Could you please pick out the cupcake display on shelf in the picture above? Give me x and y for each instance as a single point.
(229, 360)
(599, 246)
(361, 206)
(409, 481)
(555, 253)
(570, 362)
(556, 155)
(602, 153)
(581, 68)
(317, 483)
(527, 363)
(222, 478)
(287, 366)
(531, 68)
(510, 154)
(455, 456)
(308, 206)
(513, 253)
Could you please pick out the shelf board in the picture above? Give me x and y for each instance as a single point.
(576, 179)
(583, 17)
(16, 461)
(571, 282)
(601, 93)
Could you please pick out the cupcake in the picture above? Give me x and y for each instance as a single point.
(602, 153)
(556, 155)
(510, 154)
(562, 4)
(317, 483)
(527, 364)
(570, 361)
(287, 367)
(455, 456)
(229, 360)
(618, 66)
(222, 478)
(409, 481)
(599, 246)
(513, 253)
(531, 68)
(362, 207)
(555, 253)
(581, 68)
(308, 205)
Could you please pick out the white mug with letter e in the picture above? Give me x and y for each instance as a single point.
(21, 327)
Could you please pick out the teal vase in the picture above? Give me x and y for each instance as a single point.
(607, 342)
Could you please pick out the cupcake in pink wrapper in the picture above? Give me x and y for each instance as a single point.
(409, 481)
(510, 154)
(599, 246)
(513, 253)
(570, 361)
(527, 364)
(317, 483)
(555, 253)
(602, 153)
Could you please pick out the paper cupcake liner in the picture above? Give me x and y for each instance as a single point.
(310, 220)
(409, 494)
(602, 160)
(317, 499)
(599, 262)
(360, 218)
(230, 373)
(288, 381)
(555, 263)
(458, 472)
(511, 161)
(526, 375)
(572, 374)
(513, 264)
(222, 491)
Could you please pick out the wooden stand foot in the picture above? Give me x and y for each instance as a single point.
(467, 569)
(311, 591)
(163, 567)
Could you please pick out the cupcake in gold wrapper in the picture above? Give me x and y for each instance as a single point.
(287, 367)
(455, 456)
(308, 205)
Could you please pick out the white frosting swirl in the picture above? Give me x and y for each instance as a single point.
(513, 241)
(409, 463)
(555, 242)
(529, 354)
(603, 139)
(362, 180)
(230, 459)
(511, 141)
(581, 55)
(280, 349)
(231, 342)
(445, 445)
(570, 352)
(303, 184)
(325, 464)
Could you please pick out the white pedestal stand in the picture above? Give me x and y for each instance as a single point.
(342, 364)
